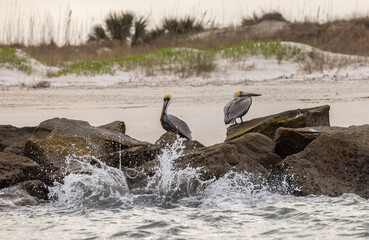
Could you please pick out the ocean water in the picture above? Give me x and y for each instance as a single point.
(177, 205)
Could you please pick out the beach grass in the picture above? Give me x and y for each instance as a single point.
(186, 61)
(10, 58)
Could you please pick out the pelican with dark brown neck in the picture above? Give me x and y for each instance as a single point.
(172, 123)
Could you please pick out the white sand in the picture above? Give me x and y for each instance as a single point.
(199, 101)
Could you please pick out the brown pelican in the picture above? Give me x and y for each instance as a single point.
(172, 123)
(238, 107)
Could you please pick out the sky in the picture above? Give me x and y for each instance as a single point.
(16, 15)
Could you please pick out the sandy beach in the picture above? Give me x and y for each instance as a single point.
(200, 106)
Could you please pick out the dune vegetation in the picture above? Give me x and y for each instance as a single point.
(186, 46)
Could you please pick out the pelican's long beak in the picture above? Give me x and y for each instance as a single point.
(165, 105)
(245, 94)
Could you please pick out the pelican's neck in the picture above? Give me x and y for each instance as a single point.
(164, 110)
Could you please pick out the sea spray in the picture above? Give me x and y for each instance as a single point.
(97, 185)
(94, 185)
(171, 182)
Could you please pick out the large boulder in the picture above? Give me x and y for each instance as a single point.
(293, 140)
(13, 139)
(333, 164)
(57, 139)
(308, 117)
(15, 169)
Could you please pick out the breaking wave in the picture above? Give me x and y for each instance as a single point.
(100, 186)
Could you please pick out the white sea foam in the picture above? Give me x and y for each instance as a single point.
(94, 185)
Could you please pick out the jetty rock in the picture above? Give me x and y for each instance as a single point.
(298, 146)
(334, 163)
(56, 139)
(294, 140)
(307, 117)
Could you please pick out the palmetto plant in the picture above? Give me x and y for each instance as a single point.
(185, 25)
(98, 33)
(140, 31)
(119, 25)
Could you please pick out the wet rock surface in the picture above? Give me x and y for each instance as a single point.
(131, 157)
(34, 188)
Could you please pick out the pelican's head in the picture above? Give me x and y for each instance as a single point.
(239, 93)
(236, 94)
(167, 98)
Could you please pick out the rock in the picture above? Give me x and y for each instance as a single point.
(15, 169)
(168, 139)
(12, 139)
(293, 140)
(56, 139)
(333, 164)
(259, 147)
(34, 188)
(308, 117)
(252, 153)
(118, 126)
(131, 157)
(42, 84)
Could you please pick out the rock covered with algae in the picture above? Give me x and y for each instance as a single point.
(56, 139)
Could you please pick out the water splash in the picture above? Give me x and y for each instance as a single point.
(100, 186)
(184, 186)
(173, 182)
(94, 185)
